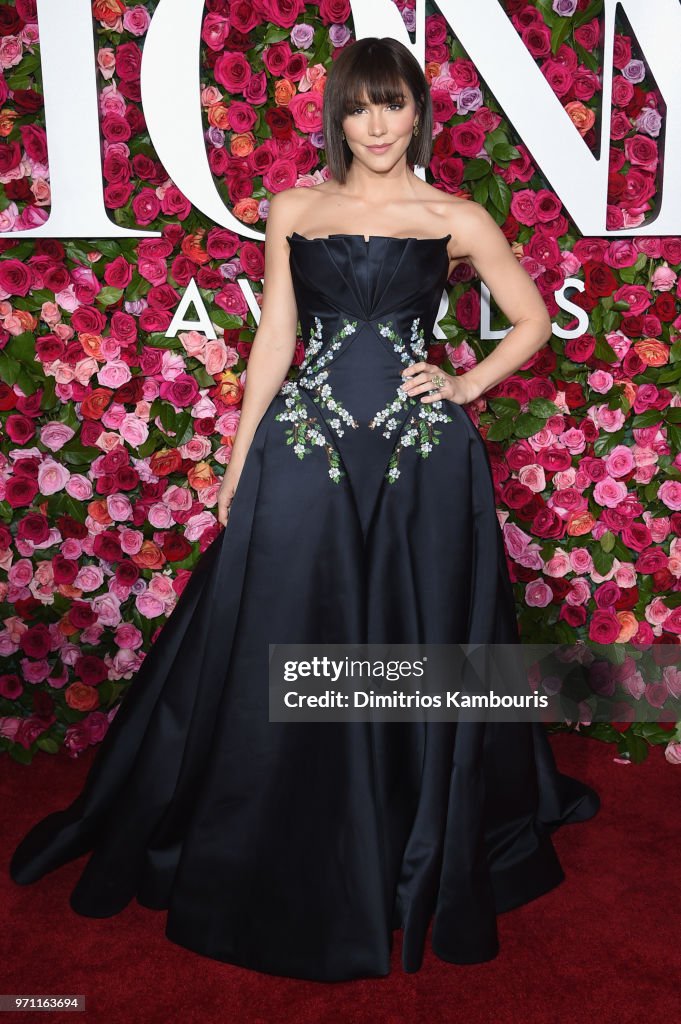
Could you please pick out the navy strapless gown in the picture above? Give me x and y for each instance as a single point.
(361, 516)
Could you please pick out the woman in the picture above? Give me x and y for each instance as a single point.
(358, 507)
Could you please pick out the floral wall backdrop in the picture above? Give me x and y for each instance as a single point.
(113, 436)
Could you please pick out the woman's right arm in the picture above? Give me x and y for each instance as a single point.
(272, 349)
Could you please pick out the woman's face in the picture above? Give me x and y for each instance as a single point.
(379, 133)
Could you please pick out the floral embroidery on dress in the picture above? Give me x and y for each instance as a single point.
(312, 376)
(421, 435)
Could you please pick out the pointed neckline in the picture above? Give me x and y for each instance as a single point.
(371, 238)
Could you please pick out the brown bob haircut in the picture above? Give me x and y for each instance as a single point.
(374, 69)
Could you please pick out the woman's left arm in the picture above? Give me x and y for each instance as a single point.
(514, 292)
(512, 289)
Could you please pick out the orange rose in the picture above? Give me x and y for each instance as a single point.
(581, 524)
(26, 319)
(582, 117)
(246, 210)
(432, 70)
(65, 626)
(242, 145)
(98, 510)
(652, 352)
(191, 247)
(7, 119)
(629, 627)
(81, 697)
(108, 11)
(165, 461)
(218, 116)
(229, 388)
(92, 344)
(149, 556)
(630, 389)
(95, 404)
(283, 92)
(201, 475)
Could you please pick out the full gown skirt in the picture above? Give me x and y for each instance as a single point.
(296, 848)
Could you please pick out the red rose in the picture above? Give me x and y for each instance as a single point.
(107, 545)
(127, 573)
(35, 143)
(118, 273)
(128, 62)
(34, 528)
(665, 307)
(36, 641)
(284, 13)
(233, 71)
(64, 570)
(20, 492)
(175, 547)
(599, 280)
(10, 157)
(19, 429)
(468, 139)
(15, 277)
(91, 669)
(81, 615)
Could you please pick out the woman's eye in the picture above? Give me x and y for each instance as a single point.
(398, 105)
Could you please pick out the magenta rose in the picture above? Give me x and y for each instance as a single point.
(181, 392)
(128, 62)
(334, 12)
(232, 71)
(35, 143)
(284, 13)
(146, 207)
(468, 139)
(118, 273)
(15, 277)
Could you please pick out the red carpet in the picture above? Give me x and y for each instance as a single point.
(602, 946)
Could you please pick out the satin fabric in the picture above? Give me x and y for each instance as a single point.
(296, 848)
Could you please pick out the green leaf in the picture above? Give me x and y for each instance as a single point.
(561, 30)
(481, 191)
(607, 541)
(602, 560)
(501, 429)
(48, 744)
(603, 350)
(527, 425)
(500, 194)
(503, 152)
(108, 296)
(634, 746)
(477, 168)
(542, 407)
(591, 11)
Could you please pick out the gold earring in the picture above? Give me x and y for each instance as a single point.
(416, 127)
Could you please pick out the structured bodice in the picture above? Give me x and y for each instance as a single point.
(367, 309)
(368, 278)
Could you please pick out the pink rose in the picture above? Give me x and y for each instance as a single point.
(114, 374)
(149, 606)
(55, 435)
(669, 492)
(15, 277)
(215, 31)
(52, 477)
(136, 20)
